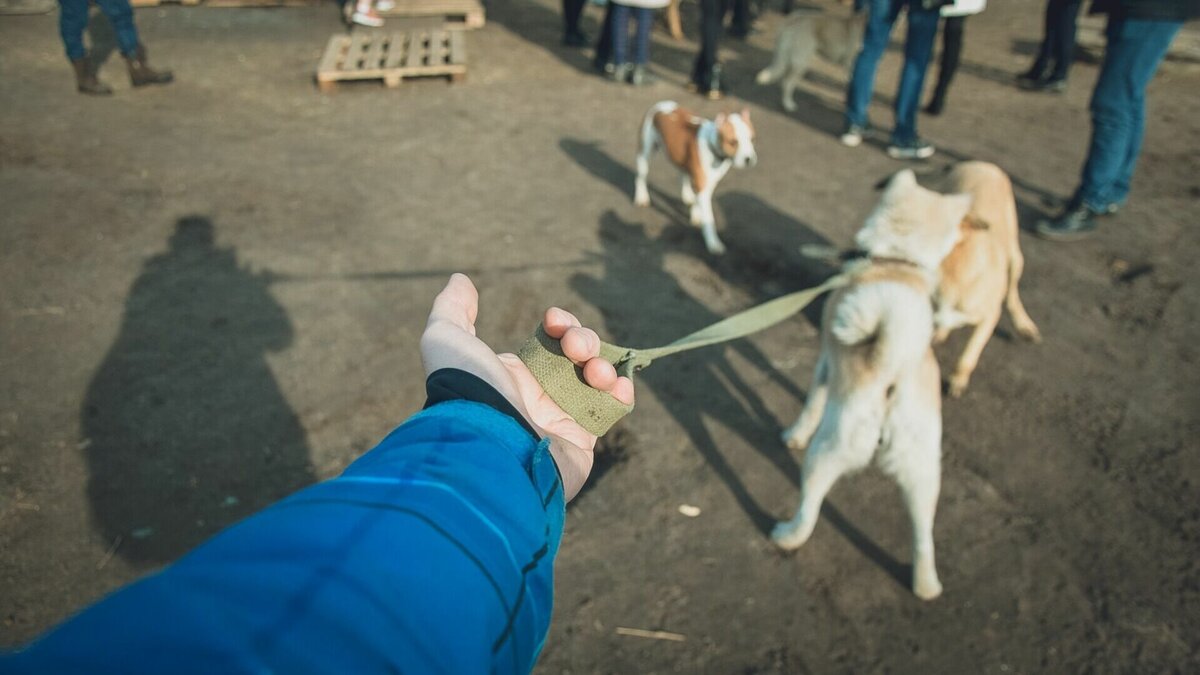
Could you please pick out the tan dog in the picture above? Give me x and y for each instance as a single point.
(981, 274)
(703, 150)
(876, 391)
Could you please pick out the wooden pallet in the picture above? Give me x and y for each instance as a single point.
(391, 57)
(456, 13)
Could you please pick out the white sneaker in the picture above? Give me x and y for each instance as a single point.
(852, 137)
(385, 5)
(367, 18)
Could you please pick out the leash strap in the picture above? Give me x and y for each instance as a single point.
(596, 411)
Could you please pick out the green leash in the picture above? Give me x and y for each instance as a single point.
(596, 410)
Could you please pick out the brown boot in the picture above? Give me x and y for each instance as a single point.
(140, 74)
(85, 79)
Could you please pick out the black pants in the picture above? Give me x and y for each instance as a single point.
(712, 13)
(604, 42)
(572, 10)
(952, 44)
(1058, 45)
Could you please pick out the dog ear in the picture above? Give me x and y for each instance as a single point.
(900, 181)
(745, 113)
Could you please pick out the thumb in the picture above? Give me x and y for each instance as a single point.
(457, 304)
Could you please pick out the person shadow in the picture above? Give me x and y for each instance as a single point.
(184, 428)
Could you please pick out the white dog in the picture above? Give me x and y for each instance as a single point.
(836, 39)
(876, 392)
(702, 149)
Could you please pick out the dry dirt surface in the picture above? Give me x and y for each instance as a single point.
(212, 294)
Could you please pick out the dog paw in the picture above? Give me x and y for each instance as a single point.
(941, 336)
(793, 441)
(763, 77)
(715, 247)
(958, 384)
(927, 588)
(788, 536)
(1029, 332)
(789, 105)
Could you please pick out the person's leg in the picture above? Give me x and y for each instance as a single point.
(620, 35)
(881, 14)
(120, 15)
(1049, 38)
(710, 32)
(952, 42)
(604, 42)
(1063, 48)
(641, 46)
(72, 21)
(572, 10)
(1135, 50)
(739, 26)
(918, 46)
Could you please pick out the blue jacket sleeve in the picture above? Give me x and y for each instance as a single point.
(432, 553)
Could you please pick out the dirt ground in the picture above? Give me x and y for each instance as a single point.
(212, 294)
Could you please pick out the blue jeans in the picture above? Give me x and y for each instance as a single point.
(620, 28)
(73, 20)
(918, 46)
(1135, 48)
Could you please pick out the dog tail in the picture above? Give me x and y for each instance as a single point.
(896, 319)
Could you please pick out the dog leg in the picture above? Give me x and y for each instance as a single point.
(709, 224)
(641, 193)
(1016, 309)
(921, 489)
(823, 465)
(797, 436)
(946, 320)
(686, 193)
(970, 355)
(789, 89)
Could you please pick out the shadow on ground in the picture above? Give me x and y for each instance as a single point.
(184, 427)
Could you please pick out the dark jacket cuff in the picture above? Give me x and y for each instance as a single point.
(452, 384)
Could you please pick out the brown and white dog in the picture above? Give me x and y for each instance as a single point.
(981, 274)
(702, 149)
(876, 391)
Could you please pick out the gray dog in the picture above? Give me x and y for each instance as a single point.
(836, 38)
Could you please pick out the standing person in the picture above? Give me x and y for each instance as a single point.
(1139, 33)
(739, 25)
(572, 35)
(918, 45)
(602, 61)
(642, 13)
(953, 27)
(706, 71)
(432, 553)
(73, 21)
(1057, 52)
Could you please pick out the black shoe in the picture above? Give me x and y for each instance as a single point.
(1036, 73)
(1053, 84)
(575, 39)
(914, 149)
(936, 104)
(1074, 223)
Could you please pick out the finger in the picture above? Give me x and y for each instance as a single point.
(458, 303)
(600, 374)
(580, 345)
(557, 321)
(622, 390)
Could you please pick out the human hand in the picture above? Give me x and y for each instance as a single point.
(449, 342)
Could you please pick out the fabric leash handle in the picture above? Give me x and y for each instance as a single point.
(596, 411)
